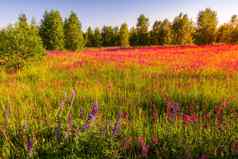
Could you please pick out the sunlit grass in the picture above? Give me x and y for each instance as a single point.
(31, 99)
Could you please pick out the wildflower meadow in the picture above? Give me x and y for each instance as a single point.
(149, 102)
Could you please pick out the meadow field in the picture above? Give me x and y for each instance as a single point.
(149, 102)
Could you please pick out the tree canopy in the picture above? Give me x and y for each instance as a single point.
(124, 35)
(206, 26)
(52, 30)
(183, 30)
(74, 39)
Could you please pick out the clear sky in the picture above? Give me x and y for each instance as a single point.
(115, 12)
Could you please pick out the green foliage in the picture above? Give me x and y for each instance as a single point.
(234, 29)
(57, 35)
(142, 24)
(161, 33)
(124, 35)
(52, 30)
(107, 34)
(110, 36)
(133, 37)
(183, 30)
(38, 92)
(19, 44)
(228, 32)
(155, 33)
(90, 37)
(98, 38)
(142, 29)
(116, 36)
(224, 33)
(206, 27)
(74, 39)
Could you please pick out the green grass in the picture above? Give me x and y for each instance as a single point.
(30, 107)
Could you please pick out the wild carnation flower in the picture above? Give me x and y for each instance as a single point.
(144, 147)
(125, 115)
(145, 150)
(190, 118)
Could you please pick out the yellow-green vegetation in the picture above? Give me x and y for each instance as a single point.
(72, 106)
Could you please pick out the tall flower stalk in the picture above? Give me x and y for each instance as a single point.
(91, 116)
(116, 128)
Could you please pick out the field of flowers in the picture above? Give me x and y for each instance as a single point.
(155, 102)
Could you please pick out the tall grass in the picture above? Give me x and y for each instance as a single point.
(46, 107)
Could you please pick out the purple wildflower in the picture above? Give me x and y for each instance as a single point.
(29, 144)
(95, 108)
(85, 126)
(117, 124)
(92, 114)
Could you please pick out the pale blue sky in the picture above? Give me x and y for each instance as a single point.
(115, 12)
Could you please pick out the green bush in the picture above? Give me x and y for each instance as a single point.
(20, 43)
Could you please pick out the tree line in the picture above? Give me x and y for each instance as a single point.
(68, 34)
(27, 40)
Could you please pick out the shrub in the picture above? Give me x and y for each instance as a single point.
(20, 43)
